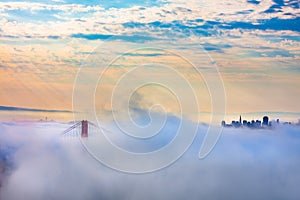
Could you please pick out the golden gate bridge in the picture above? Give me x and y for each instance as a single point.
(83, 127)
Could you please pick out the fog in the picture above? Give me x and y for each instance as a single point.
(36, 162)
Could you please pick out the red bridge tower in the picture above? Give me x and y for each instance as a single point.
(84, 128)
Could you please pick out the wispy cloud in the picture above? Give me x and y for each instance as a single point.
(134, 38)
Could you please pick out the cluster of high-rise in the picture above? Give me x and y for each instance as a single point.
(251, 124)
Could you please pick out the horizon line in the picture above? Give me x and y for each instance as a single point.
(24, 109)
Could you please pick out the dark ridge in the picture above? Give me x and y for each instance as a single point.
(9, 108)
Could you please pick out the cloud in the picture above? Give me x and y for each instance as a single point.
(90, 19)
(33, 6)
(59, 1)
(133, 38)
(248, 164)
(146, 54)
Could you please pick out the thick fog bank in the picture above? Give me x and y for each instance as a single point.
(37, 163)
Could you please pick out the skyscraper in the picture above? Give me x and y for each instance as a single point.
(223, 123)
(265, 120)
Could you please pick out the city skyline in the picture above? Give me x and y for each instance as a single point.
(266, 122)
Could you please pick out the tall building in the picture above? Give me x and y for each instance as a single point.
(265, 120)
(240, 119)
(223, 123)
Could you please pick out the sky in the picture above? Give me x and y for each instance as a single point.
(253, 45)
